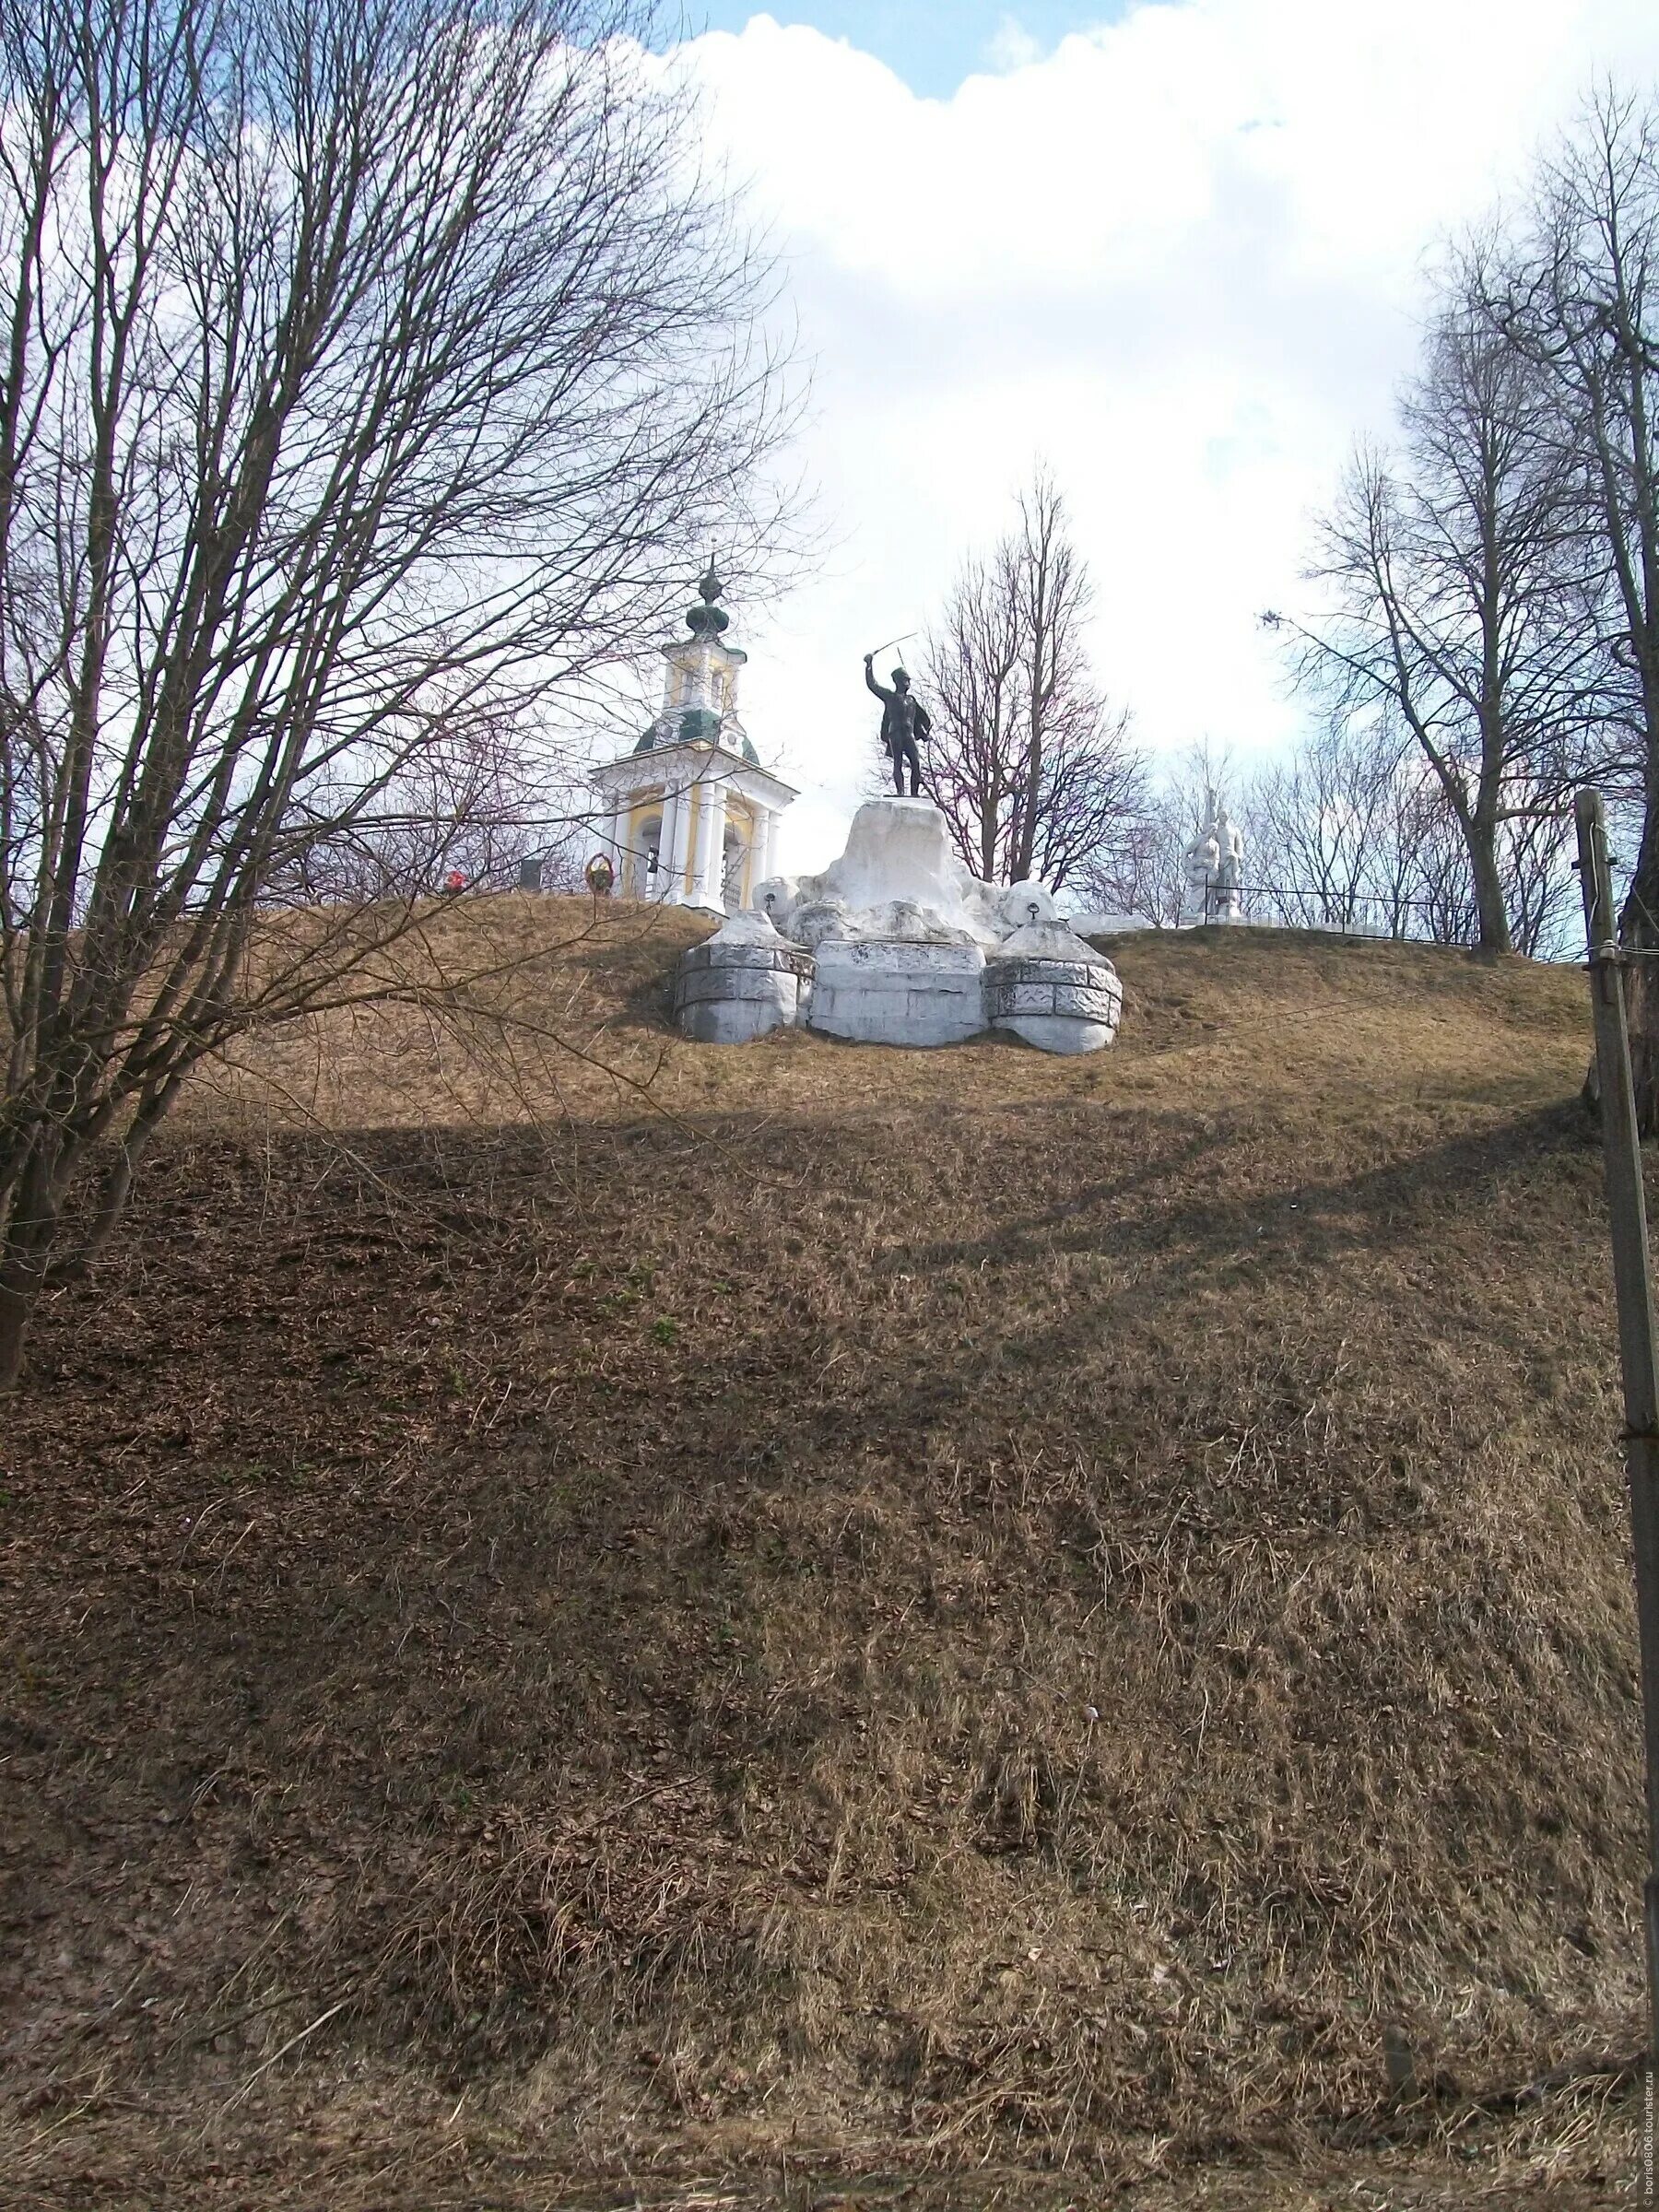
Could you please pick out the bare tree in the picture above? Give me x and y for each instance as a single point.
(464, 804)
(1455, 570)
(1142, 869)
(1032, 767)
(1581, 302)
(1324, 849)
(1541, 889)
(1354, 831)
(367, 369)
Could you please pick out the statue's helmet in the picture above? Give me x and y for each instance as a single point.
(900, 680)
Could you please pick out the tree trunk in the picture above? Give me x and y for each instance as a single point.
(1491, 909)
(15, 1308)
(118, 1180)
(26, 1243)
(1639, 933)
(22, 1273)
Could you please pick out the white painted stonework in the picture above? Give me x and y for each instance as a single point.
(896, 943)
(689, 816)
(901, 881)
(881, 991)
(1098, 922)
(1046, 986)
(740, 983)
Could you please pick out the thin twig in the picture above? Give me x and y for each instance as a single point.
(264, 2066)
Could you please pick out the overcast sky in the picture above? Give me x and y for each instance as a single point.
(1175, 248)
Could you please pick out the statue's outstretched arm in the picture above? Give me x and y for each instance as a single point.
(880, 690)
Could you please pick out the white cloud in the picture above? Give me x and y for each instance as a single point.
(1011, 46)
(1181, 257)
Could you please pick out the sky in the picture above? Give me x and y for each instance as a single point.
(932, 44)
(1175, 249)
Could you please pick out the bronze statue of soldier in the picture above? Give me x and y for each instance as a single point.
(903, 720)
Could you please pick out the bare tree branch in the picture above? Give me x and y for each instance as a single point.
(1455, 569)
(1032, 766)
(370, 368)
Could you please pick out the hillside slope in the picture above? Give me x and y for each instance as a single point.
(824, 1597)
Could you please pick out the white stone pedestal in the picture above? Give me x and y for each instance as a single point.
(878, 990)
(900, 881)
(1058, 1006)
(1047, 986)
(741, 984)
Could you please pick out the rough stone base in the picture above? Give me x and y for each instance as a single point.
(730, 994)
(1044, 986)
(878, 990)
(1058, 1006)
(1057, 1032)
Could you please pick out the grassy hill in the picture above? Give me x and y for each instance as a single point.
(670, 1608)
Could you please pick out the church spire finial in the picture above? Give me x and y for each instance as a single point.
(706, 620)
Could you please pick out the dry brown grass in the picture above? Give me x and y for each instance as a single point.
(901, 1606)
(1324, 1019)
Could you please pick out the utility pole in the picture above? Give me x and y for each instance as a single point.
(1639, 1353)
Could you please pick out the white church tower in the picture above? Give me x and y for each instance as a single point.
(692, 816)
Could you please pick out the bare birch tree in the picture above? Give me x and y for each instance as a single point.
(1033, 768)
(368, 368)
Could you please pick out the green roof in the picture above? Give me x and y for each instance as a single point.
(693, 726)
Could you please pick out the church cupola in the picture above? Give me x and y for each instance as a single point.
(700, 689)
(694, 815)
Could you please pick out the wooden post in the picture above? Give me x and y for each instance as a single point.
(1638, 1354)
